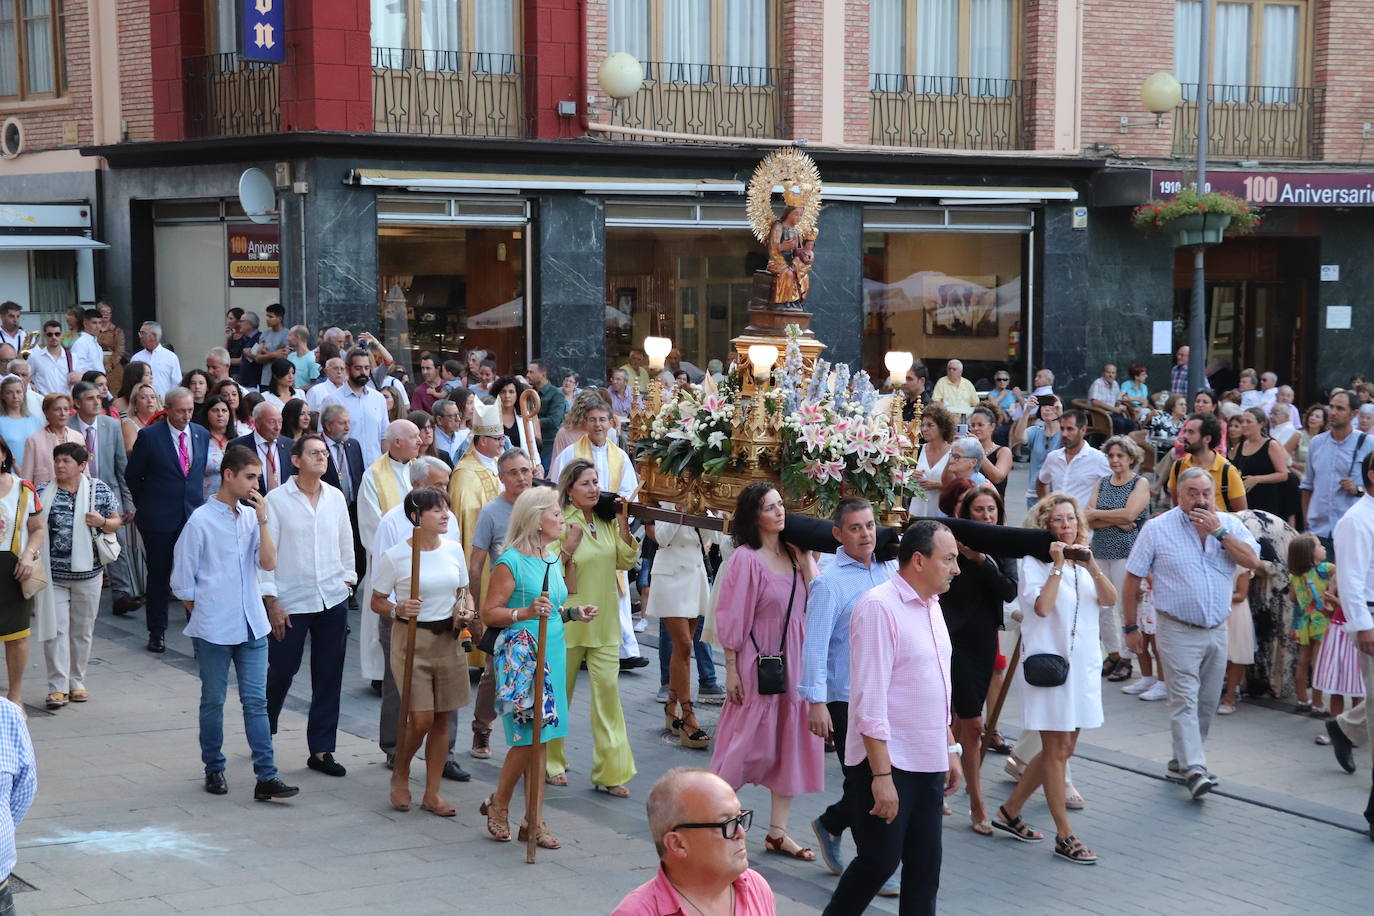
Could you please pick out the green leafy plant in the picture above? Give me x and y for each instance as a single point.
(1156, 215)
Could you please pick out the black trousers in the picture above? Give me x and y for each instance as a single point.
(328, 632)
(839, 816)
(912, 840)
(158, 547)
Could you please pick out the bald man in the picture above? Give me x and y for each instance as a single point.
(699, 831)
(385, 483)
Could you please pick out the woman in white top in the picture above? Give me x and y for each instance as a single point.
(1060, 603)
(937, 432)
(439, 679)
(679, 596)
(283, 386)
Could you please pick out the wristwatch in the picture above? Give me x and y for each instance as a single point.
(956, 749)
(1221, 534)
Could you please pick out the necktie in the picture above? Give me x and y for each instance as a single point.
(90, 447)
(184, 454)
(341, 462)
(270, 452)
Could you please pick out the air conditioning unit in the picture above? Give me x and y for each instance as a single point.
(11, 138)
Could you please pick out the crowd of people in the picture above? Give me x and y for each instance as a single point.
(290, 477)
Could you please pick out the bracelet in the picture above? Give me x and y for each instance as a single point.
(876, 775)
(1057, 571)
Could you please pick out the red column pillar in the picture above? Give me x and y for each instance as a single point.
(555, 49)
(177, 31)
(326, 81)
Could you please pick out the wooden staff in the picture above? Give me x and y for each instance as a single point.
(402, 739)
(534, 776)
(990, 726)
(529, 415)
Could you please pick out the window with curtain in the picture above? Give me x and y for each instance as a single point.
(943, 46)
(1255, 43)
(695, 41)
(490, 28)
(31, 50)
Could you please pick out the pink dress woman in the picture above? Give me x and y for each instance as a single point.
(764, 740)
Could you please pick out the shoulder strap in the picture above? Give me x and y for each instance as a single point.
(787, 621)
(1355, 455)
(1226, 468)
(18, 514)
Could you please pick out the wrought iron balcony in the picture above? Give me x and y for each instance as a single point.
(946, 112)
(710, 99)
(451, 93)
(1252, 122)
(227, 96)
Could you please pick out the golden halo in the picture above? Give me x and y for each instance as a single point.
(797, 175)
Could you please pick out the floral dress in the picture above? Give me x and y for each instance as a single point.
(1309, 593)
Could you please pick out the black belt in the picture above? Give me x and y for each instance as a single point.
(437, 626)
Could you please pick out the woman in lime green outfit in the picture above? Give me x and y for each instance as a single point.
(592, 551)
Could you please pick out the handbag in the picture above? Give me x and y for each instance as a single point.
(772, 669)
(1045, 669)
(106, 543)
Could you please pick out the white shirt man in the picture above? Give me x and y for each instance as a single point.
(366, 406)
(86, 353)
(335, 372)
(51, 366)
(165, 365)
(1075, 467)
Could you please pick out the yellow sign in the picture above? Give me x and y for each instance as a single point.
(254, 270)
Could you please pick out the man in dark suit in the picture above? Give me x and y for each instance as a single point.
(335, 422)
(165, 474)
(272, 448)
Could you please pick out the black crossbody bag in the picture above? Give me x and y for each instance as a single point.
(772, 669)
(1045, 669)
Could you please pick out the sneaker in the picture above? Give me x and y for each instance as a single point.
(1200, 783)
(1173, 774)
(641, 625)
(662, 696)
(828, 845)
(1140, 686)
(892, 887)
(1156, 692)
(481, 746)
(711, 694)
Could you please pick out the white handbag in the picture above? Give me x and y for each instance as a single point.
(106, 543)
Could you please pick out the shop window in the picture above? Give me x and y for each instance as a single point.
(690, 284)
(32, 50)
(948, 47)
(943, 296)
(484, 26)
(691, 36)
(1254, 43)
(446, 290)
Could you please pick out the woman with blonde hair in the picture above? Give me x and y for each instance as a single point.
(37, 466)
(1059, 630)
(144, 404)
(527, 584)
(16, 423)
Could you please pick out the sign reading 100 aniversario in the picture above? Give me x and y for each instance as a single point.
(254, 255)
(264, 35)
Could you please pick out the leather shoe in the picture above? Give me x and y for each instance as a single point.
(155, 643)
(125, 604)
(453, 771)
(1341, 746)
(215, 783)
(268, 789)
(391, 761)
(629, 664)
(325, 764)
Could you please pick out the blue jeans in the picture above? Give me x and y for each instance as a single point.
(6, 901)
(250, 666)
(706, 666)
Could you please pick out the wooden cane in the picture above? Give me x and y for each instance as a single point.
(534, 777)
(402, 740)
(996, 712)
(529, 414)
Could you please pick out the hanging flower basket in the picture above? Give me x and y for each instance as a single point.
(1197, 219)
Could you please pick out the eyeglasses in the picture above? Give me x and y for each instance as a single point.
(53, 334)
(729, 828)
(1002, 378)
(316, 453)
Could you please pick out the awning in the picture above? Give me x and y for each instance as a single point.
(506, 183)
(17, 242)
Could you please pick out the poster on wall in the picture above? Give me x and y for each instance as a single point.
(961, 307)
(254, 255)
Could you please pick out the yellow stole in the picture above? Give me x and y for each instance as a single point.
(388, 494)
(615, 460)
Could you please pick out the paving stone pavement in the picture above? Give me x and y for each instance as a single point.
(122, 825)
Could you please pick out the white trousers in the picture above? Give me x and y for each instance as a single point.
(76, 602)
(629, 645)
(1195, 659)
(370, 657)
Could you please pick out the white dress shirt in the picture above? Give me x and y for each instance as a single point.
(317, 394)
(314, 549)
(1354, 538)
(1076, 477)
(49, 373)
(367, 416)
(86, 354)
(625, 486)
(271, 461)
(215, 564)
(176, 435)
(15, 340)
(166, 368)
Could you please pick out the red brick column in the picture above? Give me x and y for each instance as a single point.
(556, 42)
(326, 82)
(802, 29)
(1038, 25)
(858, 109)
(176, 31)
(1112, 76)
(1343, 65)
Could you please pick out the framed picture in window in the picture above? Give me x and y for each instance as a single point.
(960, 306)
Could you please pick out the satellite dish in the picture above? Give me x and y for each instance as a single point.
(257, 196)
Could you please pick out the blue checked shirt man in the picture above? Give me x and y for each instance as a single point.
(825, 654)
(18, 785)
(1331, 481)
(1192, 553)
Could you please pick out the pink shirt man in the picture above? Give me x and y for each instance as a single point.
(753, 897)
(897, 644)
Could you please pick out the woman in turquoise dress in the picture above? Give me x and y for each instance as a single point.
(515, 600)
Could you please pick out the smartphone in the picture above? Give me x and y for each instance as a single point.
(963, 430)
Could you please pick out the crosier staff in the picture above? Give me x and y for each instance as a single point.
(534, 776)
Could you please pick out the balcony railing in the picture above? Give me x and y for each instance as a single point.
(451, 93)
(710, 99)
(227, 96)
(1252, 122)
(946, 112)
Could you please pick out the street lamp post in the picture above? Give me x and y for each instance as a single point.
(1197, 323)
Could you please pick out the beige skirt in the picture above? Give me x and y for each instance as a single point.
(439, 681)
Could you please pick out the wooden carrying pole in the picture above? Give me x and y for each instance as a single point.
(402, 740)
(534, 777)
(990, 726)
(529, 415)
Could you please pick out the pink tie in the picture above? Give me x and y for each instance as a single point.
(184, 455)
